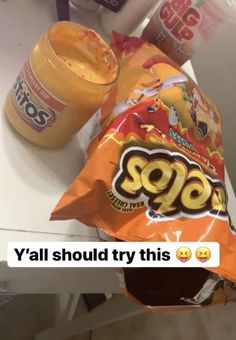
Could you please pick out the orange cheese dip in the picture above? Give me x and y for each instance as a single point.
(66, 78)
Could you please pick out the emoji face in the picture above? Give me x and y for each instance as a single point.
(203, 254)
(183, 254)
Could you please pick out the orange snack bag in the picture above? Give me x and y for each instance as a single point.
(156, 171)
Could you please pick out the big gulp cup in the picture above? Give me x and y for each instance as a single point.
(181, 27)
(67, 77)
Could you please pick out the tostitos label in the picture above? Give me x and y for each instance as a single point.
(34, 104)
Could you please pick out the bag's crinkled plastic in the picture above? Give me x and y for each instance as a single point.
(156, 171)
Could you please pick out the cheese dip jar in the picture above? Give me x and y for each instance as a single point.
(67, 77)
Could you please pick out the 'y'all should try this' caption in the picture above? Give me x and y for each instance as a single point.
(113, 254)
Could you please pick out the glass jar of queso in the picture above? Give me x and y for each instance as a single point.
(67, 77)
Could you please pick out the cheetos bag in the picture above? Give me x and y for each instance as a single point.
(155, 172)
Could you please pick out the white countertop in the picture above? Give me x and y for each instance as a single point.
(32, 179)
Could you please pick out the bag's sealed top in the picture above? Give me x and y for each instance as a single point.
(156, 171)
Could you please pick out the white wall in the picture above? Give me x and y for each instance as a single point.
(215, 68)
